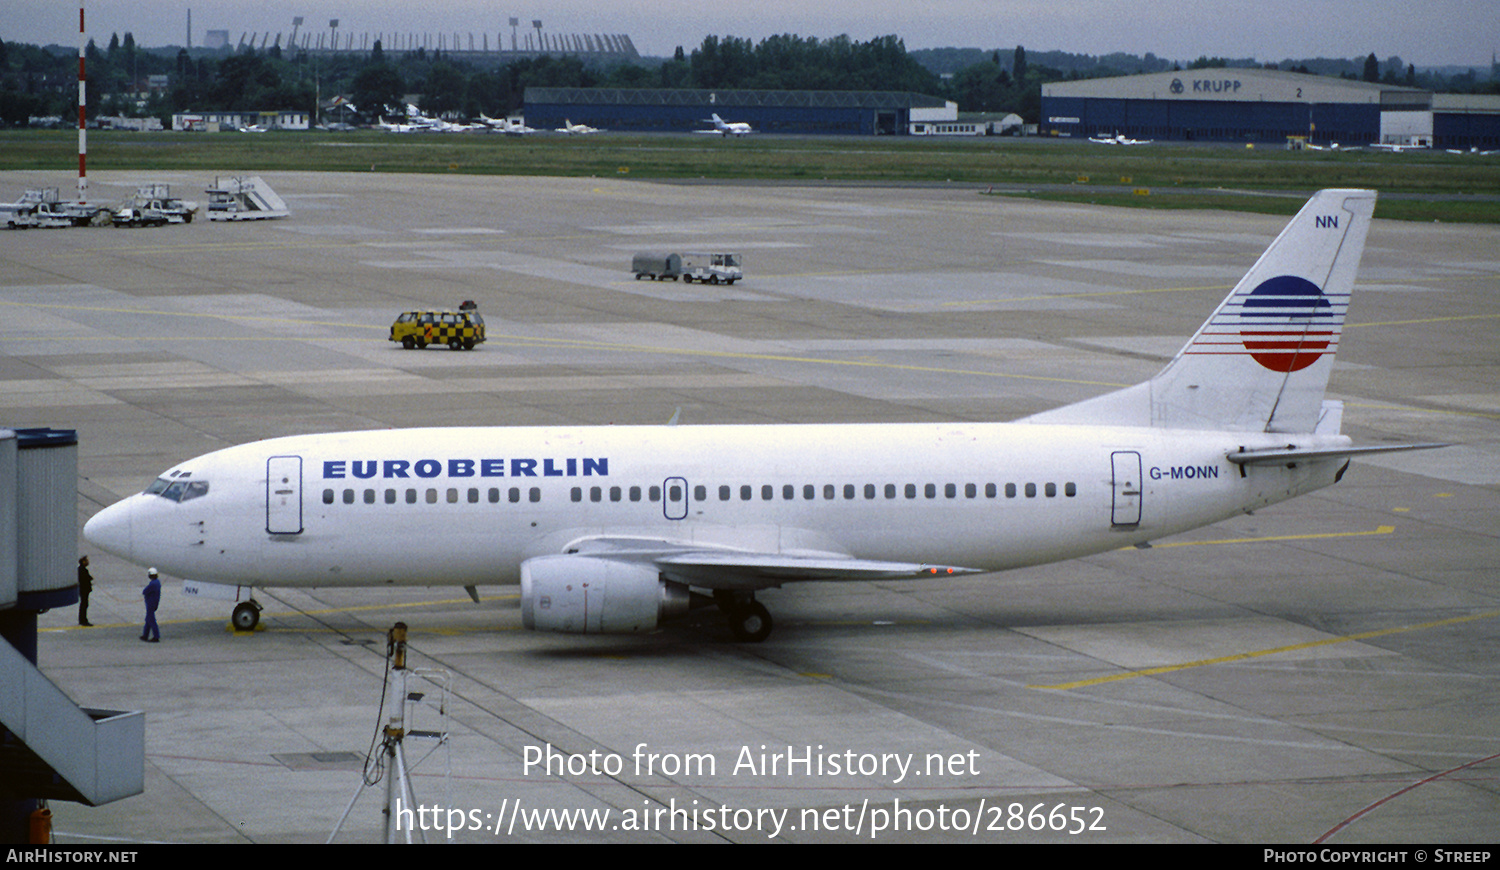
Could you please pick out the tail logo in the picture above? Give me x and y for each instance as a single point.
(1286, 324)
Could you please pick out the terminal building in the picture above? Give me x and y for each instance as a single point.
(237, 119)
(1268, 106)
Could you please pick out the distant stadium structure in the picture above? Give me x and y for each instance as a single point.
(1267, 106)
(484, 48)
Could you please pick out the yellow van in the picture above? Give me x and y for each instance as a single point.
(460, 330)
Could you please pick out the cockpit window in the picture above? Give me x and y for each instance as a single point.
(178, 490)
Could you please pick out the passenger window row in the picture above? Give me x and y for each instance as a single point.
(746, 492)
(432, 496)
(830, 492)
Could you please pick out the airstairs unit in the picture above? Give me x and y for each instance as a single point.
(244, 198)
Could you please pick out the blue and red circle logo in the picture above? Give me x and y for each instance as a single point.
(1287, 324)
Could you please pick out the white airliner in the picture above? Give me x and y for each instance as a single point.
(621, 528)
(727, 128)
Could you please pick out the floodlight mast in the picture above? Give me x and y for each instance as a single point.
(400, 798)
(83, 150)
(396, 785)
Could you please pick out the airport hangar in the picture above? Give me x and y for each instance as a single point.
(682, 110)
(1270, 106)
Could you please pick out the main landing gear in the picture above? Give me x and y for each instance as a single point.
(246, 615)
(749, 620)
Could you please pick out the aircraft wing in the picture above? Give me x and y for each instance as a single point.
(713, 567)
(729, 570)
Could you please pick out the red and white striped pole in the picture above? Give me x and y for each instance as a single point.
(83, 149)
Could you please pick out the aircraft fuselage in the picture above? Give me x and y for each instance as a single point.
(468, 506)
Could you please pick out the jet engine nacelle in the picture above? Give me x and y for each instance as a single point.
(586, 595)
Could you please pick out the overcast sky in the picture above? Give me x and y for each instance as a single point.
(1437, 32)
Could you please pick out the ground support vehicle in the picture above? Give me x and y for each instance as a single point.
(460, 330)
(711, 268)
(244, 198)
(153, 205)
(43, 208)
(656, 266)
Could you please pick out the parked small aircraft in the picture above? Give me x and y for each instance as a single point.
(573, 129)
(726, 128)
(1118, 139)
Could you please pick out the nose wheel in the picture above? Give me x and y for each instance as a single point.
(246, 615)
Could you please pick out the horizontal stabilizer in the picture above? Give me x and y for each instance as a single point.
(1283, 455)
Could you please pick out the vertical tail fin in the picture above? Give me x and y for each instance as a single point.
(1261, 362)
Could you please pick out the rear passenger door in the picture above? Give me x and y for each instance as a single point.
(1126, 506)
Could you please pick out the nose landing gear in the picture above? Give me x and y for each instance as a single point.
(246, 615)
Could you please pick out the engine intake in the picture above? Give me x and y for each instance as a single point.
(587, 595)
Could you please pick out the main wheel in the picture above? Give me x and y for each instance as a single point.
(750, 622)
(246, 616)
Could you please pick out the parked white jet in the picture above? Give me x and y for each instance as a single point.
(726, 128)
(621, 528)
(513, 127)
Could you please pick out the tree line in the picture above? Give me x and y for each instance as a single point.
(449, 86)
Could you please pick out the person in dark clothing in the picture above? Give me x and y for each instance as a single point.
(152, 593)
(85, 586)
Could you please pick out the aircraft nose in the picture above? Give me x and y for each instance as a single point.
(110, 530)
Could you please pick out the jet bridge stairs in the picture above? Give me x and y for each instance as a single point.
(55, 750)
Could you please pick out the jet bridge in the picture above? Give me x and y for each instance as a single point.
(50, 748)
